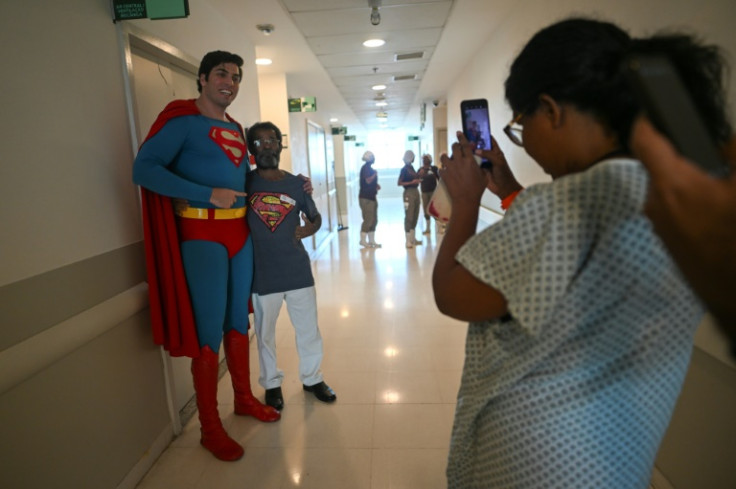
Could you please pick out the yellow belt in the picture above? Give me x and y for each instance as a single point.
(200, 213)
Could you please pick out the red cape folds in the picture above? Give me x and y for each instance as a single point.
(172, 319)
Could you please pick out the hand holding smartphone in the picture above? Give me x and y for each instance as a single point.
(477, 125)
(477, 129)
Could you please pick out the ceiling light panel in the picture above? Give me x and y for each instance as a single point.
(416, 40)
(374, 43)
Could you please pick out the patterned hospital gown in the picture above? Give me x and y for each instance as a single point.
(576, 390)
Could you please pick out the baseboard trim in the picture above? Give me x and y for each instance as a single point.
(659, 481)
(140, 469)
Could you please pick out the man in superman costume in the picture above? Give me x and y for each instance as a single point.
(199, 257)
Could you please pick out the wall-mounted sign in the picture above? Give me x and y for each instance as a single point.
(413, 138)
(359, 145)
(303, 104)
(149, 9)
(350, 138)
(340, 130)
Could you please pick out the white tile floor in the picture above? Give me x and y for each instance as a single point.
(393, 360)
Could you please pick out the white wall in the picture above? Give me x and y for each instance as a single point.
(275, 108)
(94, 407)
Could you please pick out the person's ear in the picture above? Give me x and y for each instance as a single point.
(551, 110)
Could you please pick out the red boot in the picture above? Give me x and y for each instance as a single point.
(237, 355)
(214, 437)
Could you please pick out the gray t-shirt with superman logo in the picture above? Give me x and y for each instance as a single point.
(274, 209)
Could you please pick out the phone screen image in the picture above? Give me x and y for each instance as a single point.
(477, 124)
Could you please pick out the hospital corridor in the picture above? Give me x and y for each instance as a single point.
(392, 358)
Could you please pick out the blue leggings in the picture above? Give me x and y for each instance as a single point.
(219, 288)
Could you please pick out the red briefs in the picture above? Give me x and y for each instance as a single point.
(230, 233)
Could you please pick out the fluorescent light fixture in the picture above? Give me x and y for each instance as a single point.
(263, 61)
(374, 43)
(379, 87)
(381, 103)
(334, 119)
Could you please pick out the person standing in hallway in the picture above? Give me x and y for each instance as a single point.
(409, 179)
(369, 188)
(563, 361)
(199, 258)
(283, 272)
(429, 175)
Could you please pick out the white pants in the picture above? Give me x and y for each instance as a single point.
(301, 305)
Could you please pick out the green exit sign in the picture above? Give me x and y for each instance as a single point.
(150, 9)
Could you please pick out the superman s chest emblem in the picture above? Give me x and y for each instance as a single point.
(229, 141)
(271, 208)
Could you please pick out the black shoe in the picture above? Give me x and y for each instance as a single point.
(321, 391)
(274, 398)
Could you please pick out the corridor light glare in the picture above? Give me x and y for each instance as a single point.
(388, 304)
(391, 397)
(374, 43)
(390, 352)
(345, 313)
(263, 61)
(379, 87)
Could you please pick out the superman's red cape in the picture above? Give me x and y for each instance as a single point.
(172, 319)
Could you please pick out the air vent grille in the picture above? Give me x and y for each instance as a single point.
(405, 56)
(404, 77)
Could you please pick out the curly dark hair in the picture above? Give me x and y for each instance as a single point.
(703, 70)
(579, 61)
(575, 61)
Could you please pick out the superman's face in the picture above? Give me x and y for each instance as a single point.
(221, 85)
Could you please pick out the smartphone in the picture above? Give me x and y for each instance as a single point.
(477, 125)
(668, 106)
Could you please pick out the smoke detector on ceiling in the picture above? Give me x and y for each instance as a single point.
(375, 15)
(266, 29)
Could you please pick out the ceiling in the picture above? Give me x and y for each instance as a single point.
(318, 44)
(335, 31)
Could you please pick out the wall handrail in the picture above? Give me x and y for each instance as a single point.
(23, 360)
